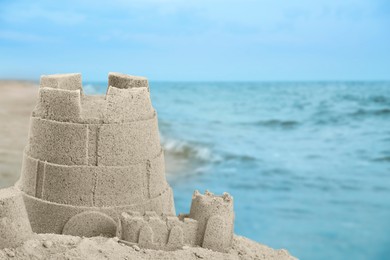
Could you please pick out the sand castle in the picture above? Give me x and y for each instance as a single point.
(94, 166)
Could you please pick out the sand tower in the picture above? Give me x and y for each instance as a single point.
(14, 225)
(215, 217)
(90, 158)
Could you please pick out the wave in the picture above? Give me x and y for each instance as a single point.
(328, 120)
(336, 119)
(379, 100)
(275, 123)
(373, 112)
(187, 150)
(195, 151)
(382, 159)
(243, 158)
(375, 99)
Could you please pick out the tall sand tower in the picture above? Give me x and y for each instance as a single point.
(90, 158)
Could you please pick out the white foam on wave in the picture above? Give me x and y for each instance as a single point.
(187, 150)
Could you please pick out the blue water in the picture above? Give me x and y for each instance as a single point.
(308, 164)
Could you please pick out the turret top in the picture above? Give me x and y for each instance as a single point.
(61, 98)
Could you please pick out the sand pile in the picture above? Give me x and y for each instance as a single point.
(50, 246)
(14, 224)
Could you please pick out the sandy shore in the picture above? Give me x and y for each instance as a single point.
(17, 99)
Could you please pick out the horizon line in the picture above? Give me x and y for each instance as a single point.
(219, 81)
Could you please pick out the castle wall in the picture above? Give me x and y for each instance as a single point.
(71, 81)
(58, 142)
(67, 185)
(127, 105)
(151, 230)
(128, 143)
(58, 104)
(93, 133)
(216, 234)
(156, 176)
(190, 229)
(28, 176)
(111, 144)
(124, 81)
(49, 217)
(91, 185)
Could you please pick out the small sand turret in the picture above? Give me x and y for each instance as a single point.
(14, 225)
(215, 217)
(92, 157)
(210, 225)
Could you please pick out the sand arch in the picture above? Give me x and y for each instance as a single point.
(90, 224)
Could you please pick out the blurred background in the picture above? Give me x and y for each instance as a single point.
(284, 104)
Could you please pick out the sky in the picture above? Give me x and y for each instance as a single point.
(195, 40)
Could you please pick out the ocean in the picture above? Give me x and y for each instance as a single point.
(308, 163)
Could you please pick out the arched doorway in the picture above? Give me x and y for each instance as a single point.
(91, 224)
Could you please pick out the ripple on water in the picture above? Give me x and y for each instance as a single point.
(360, 113)
(378, 188)
(383, 159)
(275, 124)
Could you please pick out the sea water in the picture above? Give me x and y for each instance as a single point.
(308, 164)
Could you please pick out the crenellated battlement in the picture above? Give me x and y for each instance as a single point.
(154, 231)
(209, 225)
(61, 98)
(71, 81)
(124, 81)
(59, 105)
(215, 216)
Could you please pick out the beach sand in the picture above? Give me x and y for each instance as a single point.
(17, 100)
(49, 246)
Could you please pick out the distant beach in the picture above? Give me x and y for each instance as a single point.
(17, 99)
